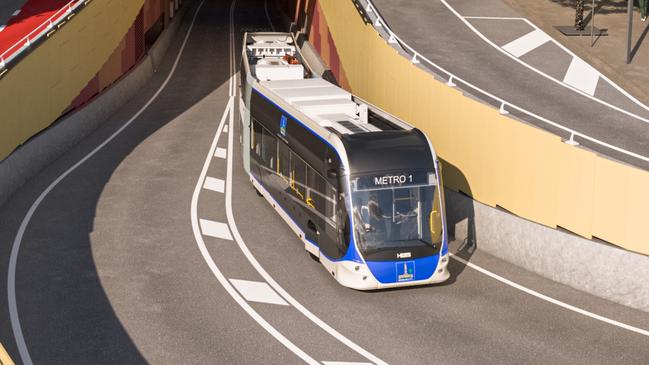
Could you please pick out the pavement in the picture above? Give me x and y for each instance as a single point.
(113, 269)
(490, 45)
(608, 53)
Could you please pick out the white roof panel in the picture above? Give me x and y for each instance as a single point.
(313, 93)
(295, 84)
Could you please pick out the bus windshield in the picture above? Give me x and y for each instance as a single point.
(396, 217)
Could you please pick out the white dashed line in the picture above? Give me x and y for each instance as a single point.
(16, 12)
(225, 129)
(582, 76)
(199, 237)
(215, 229)
(221, 152)
(257, 291)
(200, 242)
(345, 363)
(527, 43)
(2, 27)
(214, 184)
(541, 73)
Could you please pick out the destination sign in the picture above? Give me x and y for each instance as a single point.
(394, 180)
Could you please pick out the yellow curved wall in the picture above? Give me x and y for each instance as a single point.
(37, 90)
(495, 159)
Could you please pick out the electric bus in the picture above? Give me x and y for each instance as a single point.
(361, 188)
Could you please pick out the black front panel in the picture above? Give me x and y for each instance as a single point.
(388, 151)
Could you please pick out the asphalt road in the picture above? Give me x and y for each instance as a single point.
(435, 32)
(110, 270)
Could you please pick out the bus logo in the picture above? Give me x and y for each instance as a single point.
(282, 125)
(405, 270)
(404, 255)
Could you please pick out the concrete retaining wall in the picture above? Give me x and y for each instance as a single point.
(50, 144)
(602, 270)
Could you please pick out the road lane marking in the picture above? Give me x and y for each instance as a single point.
(257, 291)
(225, 129)
(215, 229)
(199, 237)
(16, 328)
(559, 82)
(269, 279)
(221, 153)
(345, 363)
(16, 12)
(527, 43)
(2, 27)
(210, 262)
(214, 184)
(550, 299)
(582, 76)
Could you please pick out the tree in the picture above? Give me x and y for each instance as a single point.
(579, 15)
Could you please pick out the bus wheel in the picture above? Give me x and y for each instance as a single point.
(258, 193)
(314, 257)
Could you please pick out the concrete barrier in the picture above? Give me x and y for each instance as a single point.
(596, 268)
(49, 145)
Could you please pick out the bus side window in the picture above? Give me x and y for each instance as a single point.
(255, 140)
(330, 243)
(298, 172)
(317, 191)
(330, 203)
(268, 149)
(283, 161)
(343, 226)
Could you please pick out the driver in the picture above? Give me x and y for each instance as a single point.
(376, 213)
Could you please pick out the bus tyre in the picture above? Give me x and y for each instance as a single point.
(314, 257)
(258, 193)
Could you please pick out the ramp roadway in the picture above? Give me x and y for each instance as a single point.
(111, 268)
(439, 34)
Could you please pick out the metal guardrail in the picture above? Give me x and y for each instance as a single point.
(45, 29)
(416, 58)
